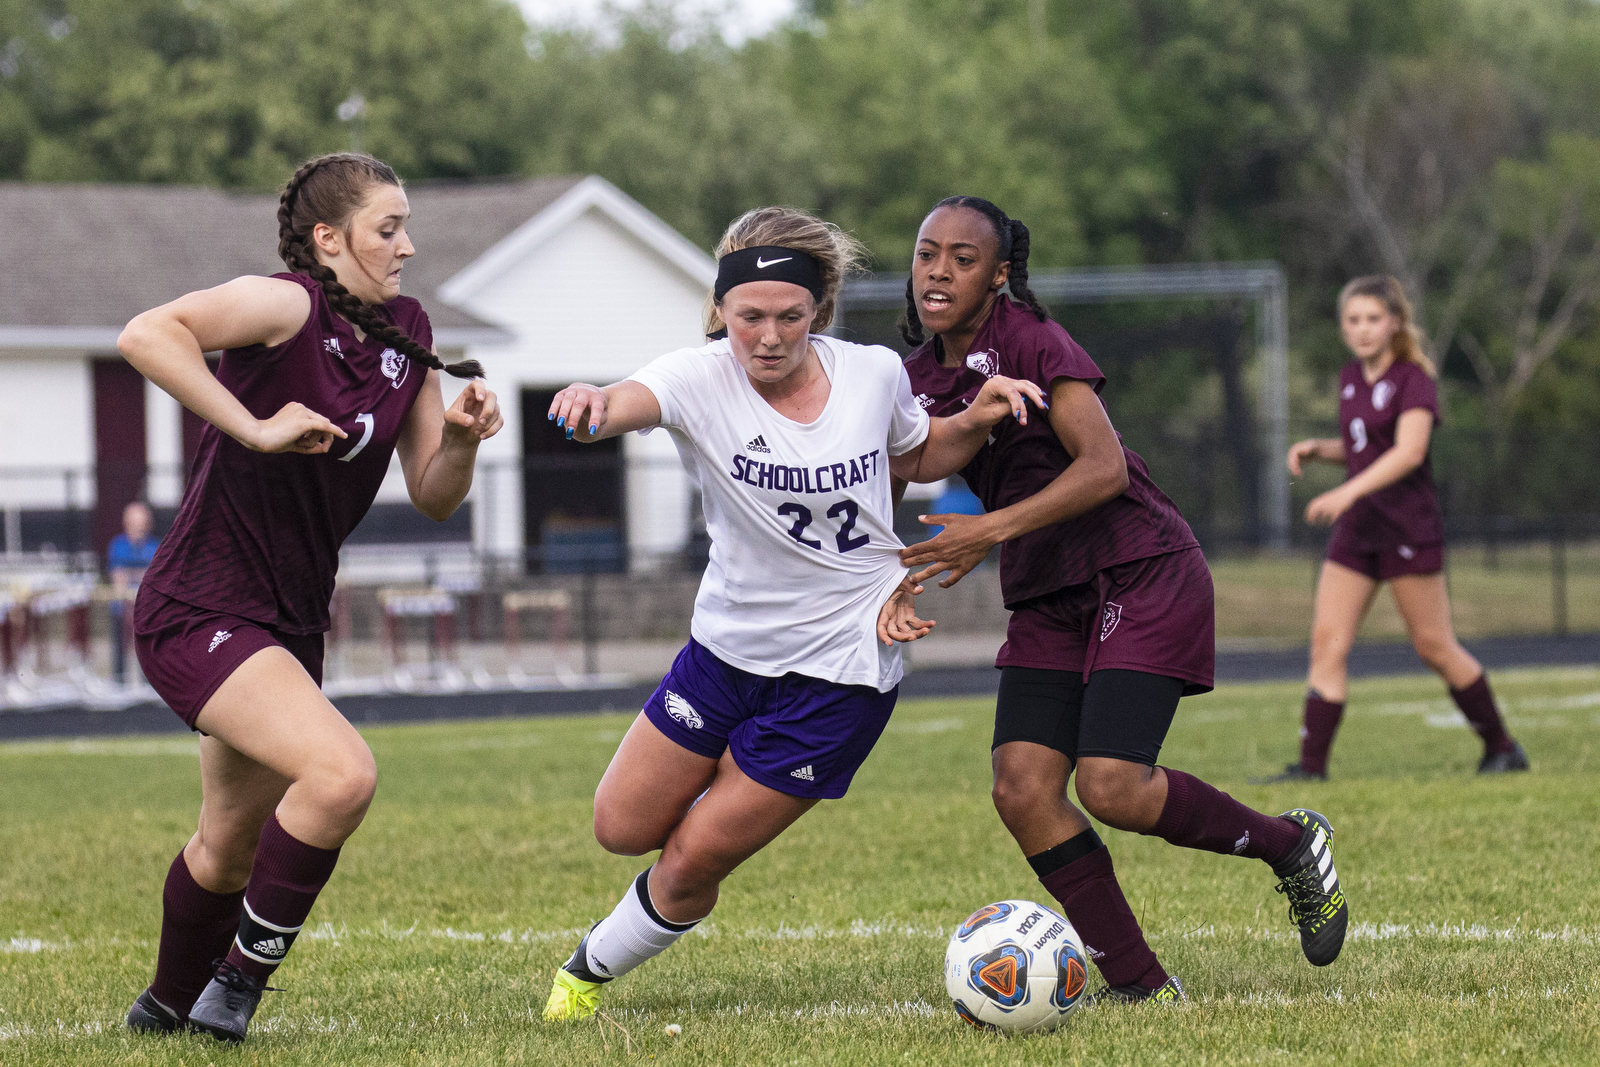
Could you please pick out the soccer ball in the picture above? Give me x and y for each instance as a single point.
(1015, 966)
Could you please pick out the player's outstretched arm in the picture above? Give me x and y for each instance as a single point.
(168, 346)
(590, 413)
(438, 448)
(952, 442)
(1098, 473)
(1411, 437)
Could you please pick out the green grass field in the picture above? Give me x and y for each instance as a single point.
(1475, 903)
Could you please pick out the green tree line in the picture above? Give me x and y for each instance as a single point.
(1454, 143)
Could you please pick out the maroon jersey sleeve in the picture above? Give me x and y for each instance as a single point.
(1417, 390)
(1042, 354)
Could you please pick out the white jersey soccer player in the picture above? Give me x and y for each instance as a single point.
(801, 519)
(791, 670)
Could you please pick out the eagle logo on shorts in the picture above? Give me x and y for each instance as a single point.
(394, 366)
(986, 363)
(683, 711)
(1108, 621)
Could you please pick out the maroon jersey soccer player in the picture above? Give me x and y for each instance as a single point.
(1386, 527)
(326, 372)
(1112, 610)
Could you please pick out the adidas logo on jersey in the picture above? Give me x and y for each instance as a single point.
(804, 774)
(926, 401)
(332, 345)
(759, 444)
(271, 947)
(683, 711)
(217, 639)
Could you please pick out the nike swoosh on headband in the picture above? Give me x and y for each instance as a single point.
(763, 264)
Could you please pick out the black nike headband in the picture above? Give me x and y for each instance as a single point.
(768, 263)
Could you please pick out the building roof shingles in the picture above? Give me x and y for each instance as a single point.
(97, 255)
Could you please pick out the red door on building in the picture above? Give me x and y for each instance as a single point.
(119, 450)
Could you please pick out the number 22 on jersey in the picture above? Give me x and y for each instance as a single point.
(843, 538)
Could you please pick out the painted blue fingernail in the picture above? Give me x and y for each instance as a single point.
(593, 427)
(550, 416)
(562, 421)
(569, 433)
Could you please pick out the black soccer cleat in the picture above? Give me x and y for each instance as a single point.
(1316, 903)
(1294, 772)
(149, 1016)
(228, 1003)
(1169, 992)
(1504, 762)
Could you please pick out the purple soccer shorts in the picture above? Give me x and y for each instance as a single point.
(799, 735)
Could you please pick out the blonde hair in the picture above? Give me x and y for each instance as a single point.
(1408, 340)
(838, 254)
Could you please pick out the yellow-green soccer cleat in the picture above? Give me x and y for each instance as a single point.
(1316, 902)
(571, 997)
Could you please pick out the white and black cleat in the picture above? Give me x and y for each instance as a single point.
(149, 1016)
(228, 1003)
(1308, 878)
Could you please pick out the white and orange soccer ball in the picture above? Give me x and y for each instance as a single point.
(1016, 966)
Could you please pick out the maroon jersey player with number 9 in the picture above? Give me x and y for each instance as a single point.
(326, 372)
(1112, 614)
(1386, 527)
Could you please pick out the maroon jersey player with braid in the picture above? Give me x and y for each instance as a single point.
(1386, 527)
(326, 372)
(1112, 616)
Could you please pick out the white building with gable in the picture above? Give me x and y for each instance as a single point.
(545, 281)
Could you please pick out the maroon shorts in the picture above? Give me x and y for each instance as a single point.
(187, 652)
(1395, 561)
(1155, 615)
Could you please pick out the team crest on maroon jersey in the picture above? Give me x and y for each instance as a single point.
(1108, 621)
(986, 363)
(394, 367)
(1381, 394)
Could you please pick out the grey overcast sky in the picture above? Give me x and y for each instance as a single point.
(743, 18)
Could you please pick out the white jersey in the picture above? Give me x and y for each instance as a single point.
(801, 516)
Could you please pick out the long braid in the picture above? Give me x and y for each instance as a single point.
(911, 323)
(295, 251)
(1017, 281)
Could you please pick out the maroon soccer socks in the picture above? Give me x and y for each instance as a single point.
(1078, 873)
(1316, 732)
(1197, 815)
(197, 926)
(1477, 704)
(285, 879)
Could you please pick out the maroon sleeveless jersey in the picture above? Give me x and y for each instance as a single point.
(1018, 461)
(258, 534)
(1407, 512)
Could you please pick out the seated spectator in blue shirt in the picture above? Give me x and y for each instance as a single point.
(127, 559)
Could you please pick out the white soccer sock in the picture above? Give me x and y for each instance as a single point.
(631, 934)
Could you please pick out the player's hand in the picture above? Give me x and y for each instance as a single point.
(295, 428)
(1001, 396)
(1301, 451)
(1324, 510)
(964, 543)
(897, 619)
(475, 416)
(580, 407)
